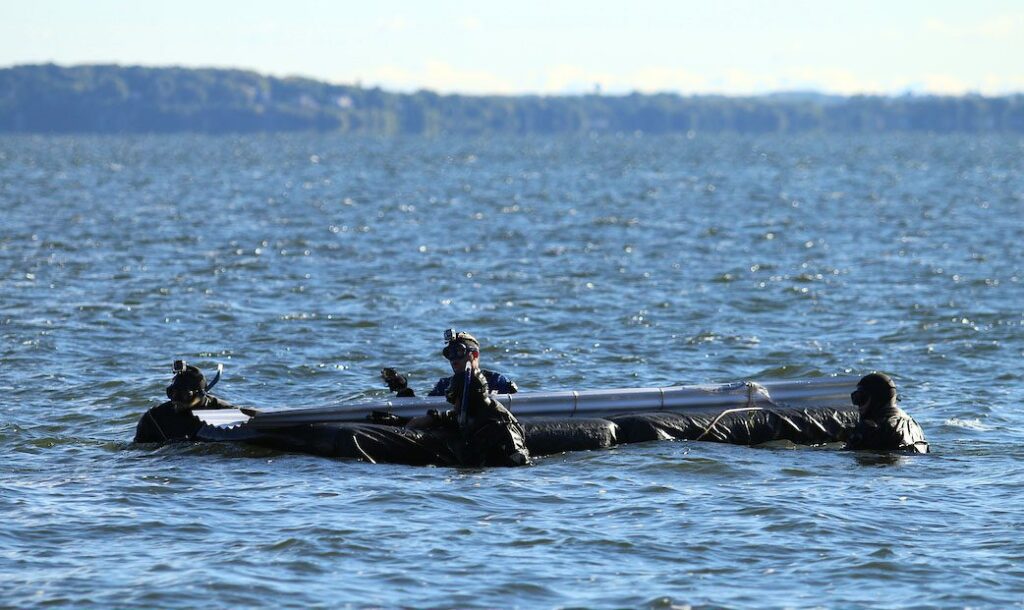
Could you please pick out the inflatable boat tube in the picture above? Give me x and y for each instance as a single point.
(805, 412)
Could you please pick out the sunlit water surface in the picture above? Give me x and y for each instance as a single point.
(306, 263)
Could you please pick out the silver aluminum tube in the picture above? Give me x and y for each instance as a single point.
(820, 393)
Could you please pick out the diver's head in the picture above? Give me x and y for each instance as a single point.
(873, 391)
(188, 388)
(460, 348)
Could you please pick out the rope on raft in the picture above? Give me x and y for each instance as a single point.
(752, 387)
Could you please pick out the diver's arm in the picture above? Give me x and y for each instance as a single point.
(397, 382)
(435, 419)
(501, 384)
(441, 387)
(907, 435)
(148, 430)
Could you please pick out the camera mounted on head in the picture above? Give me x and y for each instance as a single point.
(458, 345)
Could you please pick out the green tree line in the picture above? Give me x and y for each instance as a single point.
(126, 99)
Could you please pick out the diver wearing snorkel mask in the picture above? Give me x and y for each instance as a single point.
(459, 348)
(173, 420)
(489, 435)
(883, 424)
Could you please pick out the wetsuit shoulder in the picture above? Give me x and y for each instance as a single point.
(897, 431)
(906, 434)
(148, 429)
(499, 383)
(163, 424)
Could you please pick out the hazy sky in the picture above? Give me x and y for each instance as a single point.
(550, 46)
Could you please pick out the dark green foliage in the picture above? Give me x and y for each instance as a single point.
(116, 99)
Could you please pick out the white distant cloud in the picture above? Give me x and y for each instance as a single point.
(1001, 27)
(830, 80)
(943, 84)
(470, 24)
(742, 81)
(567, 79)
(394, 24)
(550, 47)
(661, 79)
(995, 84)
(440, 76)
(657, 79)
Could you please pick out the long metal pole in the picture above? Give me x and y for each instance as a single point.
(821, 393)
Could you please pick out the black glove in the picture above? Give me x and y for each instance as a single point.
(395, 381)
(387, 418)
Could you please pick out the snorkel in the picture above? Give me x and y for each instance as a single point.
(455, 349)
(216, 377)
(463, 411)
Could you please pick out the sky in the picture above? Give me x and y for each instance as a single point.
(733, 47)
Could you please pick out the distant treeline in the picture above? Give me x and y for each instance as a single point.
(117, 99)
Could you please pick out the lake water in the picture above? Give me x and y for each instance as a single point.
(306, 263)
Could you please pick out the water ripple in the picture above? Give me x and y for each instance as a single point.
(604, 262)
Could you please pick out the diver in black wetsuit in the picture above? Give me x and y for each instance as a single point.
(489, 435)
(497, 382)
(173, 420)
(883, 425)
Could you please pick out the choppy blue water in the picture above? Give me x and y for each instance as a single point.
(306, 263)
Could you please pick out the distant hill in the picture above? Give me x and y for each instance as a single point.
(125, 99)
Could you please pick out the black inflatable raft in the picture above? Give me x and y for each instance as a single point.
(805, 412)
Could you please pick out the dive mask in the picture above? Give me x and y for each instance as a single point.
(457, 351)
(458, 345)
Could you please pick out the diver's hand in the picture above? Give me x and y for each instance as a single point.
(395, 381)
